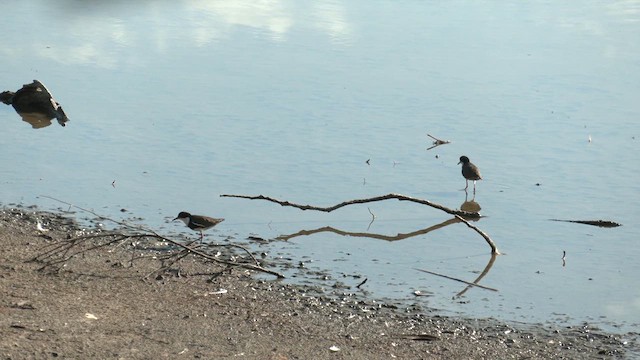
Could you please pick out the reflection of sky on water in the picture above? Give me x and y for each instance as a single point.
(101, 34)
(86, 36)
(290, 98)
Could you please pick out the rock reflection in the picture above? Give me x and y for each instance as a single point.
(34, 103)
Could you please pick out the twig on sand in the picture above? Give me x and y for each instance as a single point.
(65, 250)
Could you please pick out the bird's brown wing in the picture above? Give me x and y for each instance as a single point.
(207, 221)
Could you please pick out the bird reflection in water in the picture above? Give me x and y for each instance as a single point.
(470, 205)
(34, 103)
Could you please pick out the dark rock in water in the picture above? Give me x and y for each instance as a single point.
(34, 103)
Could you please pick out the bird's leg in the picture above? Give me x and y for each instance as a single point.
(201, 237)
(467, 182)
(474, 187)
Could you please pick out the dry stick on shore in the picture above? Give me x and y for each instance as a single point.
(68, 245)
(65, 250)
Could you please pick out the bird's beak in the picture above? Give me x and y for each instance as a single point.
(174, 219)
(459, 162)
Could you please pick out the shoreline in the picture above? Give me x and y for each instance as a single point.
(99, 306)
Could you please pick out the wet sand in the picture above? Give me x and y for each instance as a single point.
(110, 302)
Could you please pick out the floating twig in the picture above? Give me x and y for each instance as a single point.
(362, 283)
(373, 218)
(600, 223)
(437, 141)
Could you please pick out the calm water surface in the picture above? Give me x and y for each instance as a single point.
(178, 102)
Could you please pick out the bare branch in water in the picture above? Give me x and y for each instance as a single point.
(494, 249)
(459, 214)
(400, 197)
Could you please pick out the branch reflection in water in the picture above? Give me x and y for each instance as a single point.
(365, 234)
(402, 236)
(477, 280)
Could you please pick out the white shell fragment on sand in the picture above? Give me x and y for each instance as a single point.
(334, 348)
(221, 291)
(40, 227)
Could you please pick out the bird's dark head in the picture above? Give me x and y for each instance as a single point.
(182, 215)
(463, 160)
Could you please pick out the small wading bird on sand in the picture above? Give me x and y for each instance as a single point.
(198, 222)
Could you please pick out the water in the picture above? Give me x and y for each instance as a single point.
(174, 103)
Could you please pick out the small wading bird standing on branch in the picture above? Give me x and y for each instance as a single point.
(198, 222)
(470, 172)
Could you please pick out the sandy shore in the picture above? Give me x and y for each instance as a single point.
(102, 304)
